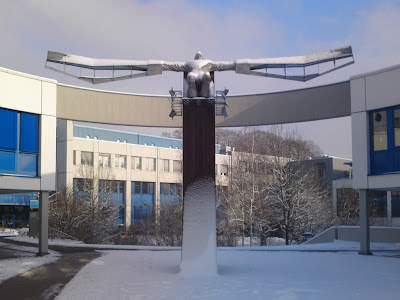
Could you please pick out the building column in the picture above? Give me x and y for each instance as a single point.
(364, 224)
(43, 223)
(389, 208)
(127, 200)
(199, 199)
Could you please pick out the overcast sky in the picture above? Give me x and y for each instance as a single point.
(222, 30)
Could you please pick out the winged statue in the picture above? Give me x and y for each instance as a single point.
(199, 72)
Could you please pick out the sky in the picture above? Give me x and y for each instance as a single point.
(223, 30)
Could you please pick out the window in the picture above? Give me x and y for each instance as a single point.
(223, 170)
(74, 157)
(146, 188)
(395, 204)
(83, 185)
(19, 143)
(136, 163)
(169, 192)
(379, 129)
(149, 164)
(105, 186)
(87, 158)
(396, 126)
(104, 160)
(385, 140)
(165, 165)
(142, 200)
(177, 165)
(120, 161)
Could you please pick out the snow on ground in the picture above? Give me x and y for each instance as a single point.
(242, 275)
(79, 244)
(21, 259)
(8, 232)
(335, 246)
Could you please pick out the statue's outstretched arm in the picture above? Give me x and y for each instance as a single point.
(300, 68)
(109, 67)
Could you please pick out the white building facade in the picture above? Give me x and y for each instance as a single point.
(145, 171)
(28, 139)
(375, 115)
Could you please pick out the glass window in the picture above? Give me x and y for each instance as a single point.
(164, 188)
(8, 132)
(74, 157)
(137, 187)
(177, 164)
(151, 188)
(120, 161)
(29, 133)
(379, 130)
(152, 162)
(136, 163)
(224, 170)
(396, 127)
(165, 165)
(104, 160)
(145, 188)
(87, 158)
(149, 164)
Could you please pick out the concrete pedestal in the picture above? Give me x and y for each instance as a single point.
(199, 200)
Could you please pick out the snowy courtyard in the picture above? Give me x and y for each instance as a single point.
(242, 275)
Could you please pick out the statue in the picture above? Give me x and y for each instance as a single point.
(198, 79)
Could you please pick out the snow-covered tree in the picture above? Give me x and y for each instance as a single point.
(299, 202)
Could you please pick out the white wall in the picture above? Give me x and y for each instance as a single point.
(370, 91)
(27, 93)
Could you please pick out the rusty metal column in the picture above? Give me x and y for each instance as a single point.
(199, 205)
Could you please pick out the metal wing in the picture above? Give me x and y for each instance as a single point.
(297, 67)
(112, 68)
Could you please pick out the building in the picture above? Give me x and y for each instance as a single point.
(144, 171)
(30, 106)
(27, 144)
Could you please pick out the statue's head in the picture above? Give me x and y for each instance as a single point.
(198, 56)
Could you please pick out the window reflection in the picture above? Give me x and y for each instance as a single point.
(379, 128)
(397, 127)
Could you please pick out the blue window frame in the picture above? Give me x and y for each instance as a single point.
(142, 200)
(19, 143)
(169, 192)
(385, 140)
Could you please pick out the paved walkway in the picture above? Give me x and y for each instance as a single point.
(46, 281)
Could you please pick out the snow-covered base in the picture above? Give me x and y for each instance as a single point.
(242, 275)
(8, 232)
(25, 261)
(199, 256)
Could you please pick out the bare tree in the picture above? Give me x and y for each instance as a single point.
(87, 211)
(176, 134)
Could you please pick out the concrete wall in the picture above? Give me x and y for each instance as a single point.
(352, 233)
(27, 93)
